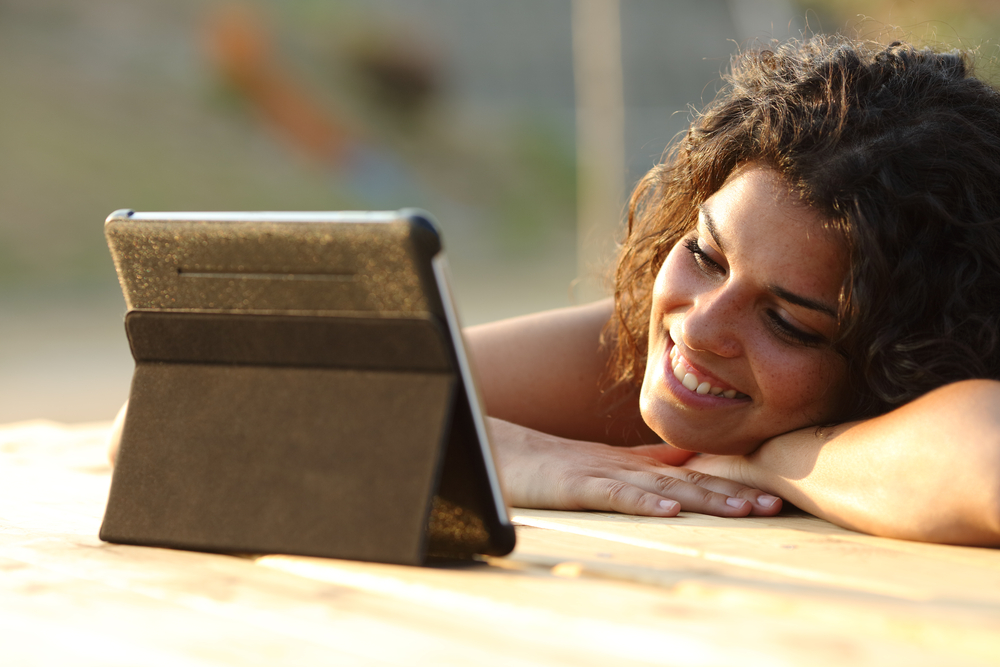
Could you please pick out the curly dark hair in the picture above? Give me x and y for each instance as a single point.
(899, 148)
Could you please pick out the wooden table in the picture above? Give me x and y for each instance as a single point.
(580, 589)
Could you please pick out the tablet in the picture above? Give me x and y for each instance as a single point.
(301, 386)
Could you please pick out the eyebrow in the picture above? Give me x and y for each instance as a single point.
(780, 292)
(791, 297)
(706, 218)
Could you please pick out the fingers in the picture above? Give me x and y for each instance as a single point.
(666, 492)
(547, 472)
(691, 490)
(720, 475)
(700, 492)
(760, 503)
(605, 494)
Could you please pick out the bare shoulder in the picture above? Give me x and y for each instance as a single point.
(548, 370)
(555, 346)
(585, 321)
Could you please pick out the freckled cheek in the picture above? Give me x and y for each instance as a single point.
(811, 388)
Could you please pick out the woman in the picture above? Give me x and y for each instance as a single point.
(807, 307)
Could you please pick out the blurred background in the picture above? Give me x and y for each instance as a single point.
(521, 125)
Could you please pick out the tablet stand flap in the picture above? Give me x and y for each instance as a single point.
(463, 520)
(279, 458)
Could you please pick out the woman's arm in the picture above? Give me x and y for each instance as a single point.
(541, 378)
(928, 471)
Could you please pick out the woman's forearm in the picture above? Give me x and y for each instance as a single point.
(929, 470)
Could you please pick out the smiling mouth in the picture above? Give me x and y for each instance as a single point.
(698, 385)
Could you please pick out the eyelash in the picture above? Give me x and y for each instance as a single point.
(786, 331)
(701, 258)
(776, 324)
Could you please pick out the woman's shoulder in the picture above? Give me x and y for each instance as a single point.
(549, 371)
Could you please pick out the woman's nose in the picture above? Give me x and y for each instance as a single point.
(713, 324)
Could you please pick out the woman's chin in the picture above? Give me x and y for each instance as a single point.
(698, 445)
(692, 438)
(711, 430)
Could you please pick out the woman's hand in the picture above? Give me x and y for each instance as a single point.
(546, 472)
(728, 467)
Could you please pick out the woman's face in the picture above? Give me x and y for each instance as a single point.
(743, 311)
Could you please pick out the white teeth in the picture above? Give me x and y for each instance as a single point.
(691, 382)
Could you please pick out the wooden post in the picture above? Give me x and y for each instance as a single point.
(600, 130)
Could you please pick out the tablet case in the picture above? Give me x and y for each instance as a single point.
(300, 387)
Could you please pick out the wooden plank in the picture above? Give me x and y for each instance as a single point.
(622, 621)
(949, 629)
(243, 614)
(48, 618)
(799, 548)
(585, 589)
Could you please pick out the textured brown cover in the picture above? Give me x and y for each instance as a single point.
(296, 391)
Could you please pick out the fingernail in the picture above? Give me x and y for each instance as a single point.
(765, 500)
(735, 502)
(667, 504)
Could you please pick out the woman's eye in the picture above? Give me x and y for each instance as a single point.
(701, 258)
(792, 334)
